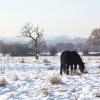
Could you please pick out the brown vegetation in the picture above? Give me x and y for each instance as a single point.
(2, 82)
(55, 80)
(45, 93)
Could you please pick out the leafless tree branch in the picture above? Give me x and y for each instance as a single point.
(34, 33)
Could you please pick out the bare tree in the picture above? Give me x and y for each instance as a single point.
(35, 34)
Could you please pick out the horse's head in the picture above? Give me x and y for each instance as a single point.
(82, 67)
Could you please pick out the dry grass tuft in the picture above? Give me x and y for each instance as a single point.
(45, 93)
(46, 62)
(72, 73)
(55, 80)
(2, 82)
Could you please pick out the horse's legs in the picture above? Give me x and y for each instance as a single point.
(67, 69)
(71, 67)
(75, 67)
(64, 68)
(61, 68)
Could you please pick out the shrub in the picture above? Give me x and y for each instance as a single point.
(45, 93)
(55, 80)
(2, 82)
(72, 73)
(46, 62)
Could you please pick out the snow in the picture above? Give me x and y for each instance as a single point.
(28, 79)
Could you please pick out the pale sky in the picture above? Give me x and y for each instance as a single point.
(55, 17)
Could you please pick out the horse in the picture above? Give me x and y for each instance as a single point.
(71, 58)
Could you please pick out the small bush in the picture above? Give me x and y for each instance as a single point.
(72, 73)
(46, 62)
(45, 93)
(55, 80)
(2, 82)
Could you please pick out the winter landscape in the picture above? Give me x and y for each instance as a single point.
(24, 78)
(42, 39)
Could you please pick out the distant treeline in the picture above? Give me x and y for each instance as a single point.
(23, 49)
(14, 49)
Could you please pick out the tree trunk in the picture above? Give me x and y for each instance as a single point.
(36, 54)
(36, 50)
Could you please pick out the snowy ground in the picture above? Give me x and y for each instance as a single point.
(27, 79)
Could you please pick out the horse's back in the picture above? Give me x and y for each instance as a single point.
(70, 57)
(67, 57)
(77, 58)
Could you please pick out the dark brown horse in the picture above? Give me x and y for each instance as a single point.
(72, 59)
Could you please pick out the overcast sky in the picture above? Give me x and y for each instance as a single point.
(56, 17)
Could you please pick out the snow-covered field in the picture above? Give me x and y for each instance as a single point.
(28, 79)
